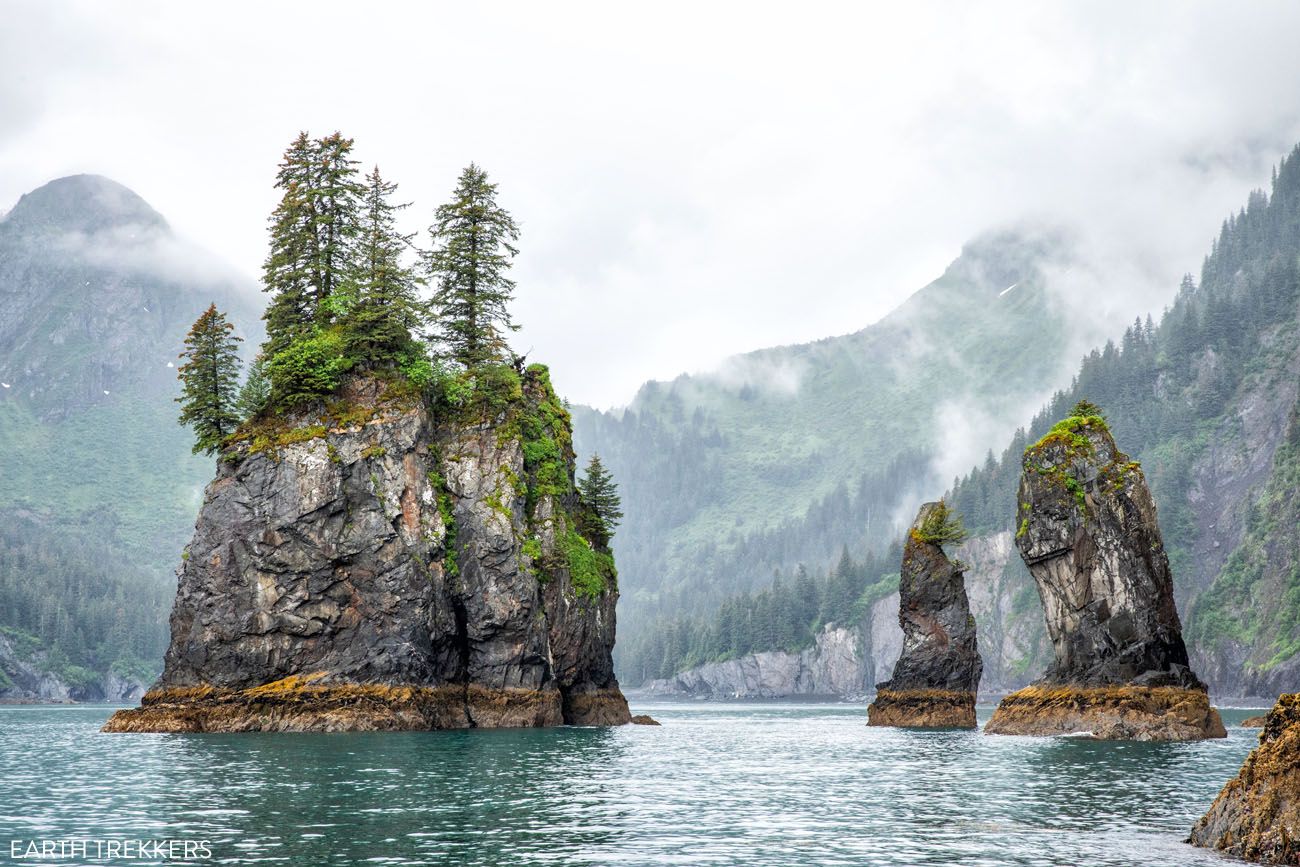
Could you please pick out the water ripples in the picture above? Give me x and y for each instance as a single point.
(716, 785)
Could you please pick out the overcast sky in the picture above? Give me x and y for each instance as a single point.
(692, 179)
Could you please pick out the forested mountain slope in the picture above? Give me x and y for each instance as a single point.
(785, 455)
(1207, 401)
(98, 488)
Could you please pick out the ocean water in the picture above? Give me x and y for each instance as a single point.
(717, 784)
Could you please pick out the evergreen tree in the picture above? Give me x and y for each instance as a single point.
(288, 272)
(472, 252)
(210, 380)
(598, 490)
(943, 526)
(256, 390)
(387, 312)
(313, 232)
(339, 196)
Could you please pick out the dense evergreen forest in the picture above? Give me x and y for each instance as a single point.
(785, 615)
(84, 614)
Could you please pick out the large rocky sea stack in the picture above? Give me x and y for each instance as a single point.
(938, 673)
(1257, 815)
(1088, 533)
(384, 561)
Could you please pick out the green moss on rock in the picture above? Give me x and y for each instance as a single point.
(591, 572)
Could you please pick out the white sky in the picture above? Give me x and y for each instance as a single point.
(693, 179)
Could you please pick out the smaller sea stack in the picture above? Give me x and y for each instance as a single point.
(936, 676)
(1257, 815)
(1089, 535)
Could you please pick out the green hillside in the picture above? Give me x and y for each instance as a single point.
(98, 489)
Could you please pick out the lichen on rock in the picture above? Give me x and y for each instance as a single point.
(1089, 535)
(1257, 814)
(936, 677)
(400, 567)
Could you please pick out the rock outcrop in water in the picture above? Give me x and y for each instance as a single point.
(379, 564)
(1257, 815)
(936, 677)
(1088, 534)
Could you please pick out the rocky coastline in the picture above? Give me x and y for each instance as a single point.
(1257, 815)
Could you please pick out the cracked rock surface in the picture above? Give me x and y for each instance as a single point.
(1088, 534)
(401, 555)
(937, 675)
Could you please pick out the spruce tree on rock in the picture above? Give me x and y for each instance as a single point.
(387, 314)
(210, 380)
(339, 195)
(598, 490)
(288, 272)
(472, 237)
(313, 231)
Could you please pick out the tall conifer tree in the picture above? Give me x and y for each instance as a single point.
(388, 313)
(472, 237)
(339, 194)
(313, 230)
(210, 380)
(599, 491)
(289, 273)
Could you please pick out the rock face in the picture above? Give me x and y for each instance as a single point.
(936, 677)
(833, 666)
(1089, 536)
(380, 565)
(1257, 815)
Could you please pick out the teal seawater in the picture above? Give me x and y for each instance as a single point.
(715, 785)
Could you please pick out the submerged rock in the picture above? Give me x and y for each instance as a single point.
(1089, 536)
(382, 565)
(1257, 815)
(938, 673)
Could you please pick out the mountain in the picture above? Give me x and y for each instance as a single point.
(785, 455)
(97, 484)
(1207, 401)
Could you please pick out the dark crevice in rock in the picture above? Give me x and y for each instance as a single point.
(420, 612)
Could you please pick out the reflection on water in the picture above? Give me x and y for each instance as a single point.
(716, 785)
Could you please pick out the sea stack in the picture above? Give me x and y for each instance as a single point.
(1087, 531)
(938, 673)
(385, 561)
(1257, 815)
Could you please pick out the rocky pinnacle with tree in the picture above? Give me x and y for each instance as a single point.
(395, 538)
(1087, 531)
(936, 678)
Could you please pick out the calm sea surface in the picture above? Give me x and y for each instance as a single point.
(715, 785)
